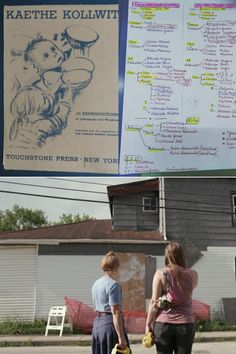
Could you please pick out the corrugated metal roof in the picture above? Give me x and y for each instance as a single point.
(92, 229)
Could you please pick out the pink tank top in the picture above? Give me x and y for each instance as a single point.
(180, 310)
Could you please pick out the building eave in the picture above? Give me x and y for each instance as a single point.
(97, 241)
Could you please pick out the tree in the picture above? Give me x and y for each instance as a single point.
(69, 218)
(20, 218)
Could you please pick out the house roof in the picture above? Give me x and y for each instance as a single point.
(86, 231)
(133, 187)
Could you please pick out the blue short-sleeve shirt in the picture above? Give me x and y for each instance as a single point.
(106, 292)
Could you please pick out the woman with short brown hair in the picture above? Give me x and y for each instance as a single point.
(108, 327)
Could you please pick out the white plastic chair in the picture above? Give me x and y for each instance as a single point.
(56, 319)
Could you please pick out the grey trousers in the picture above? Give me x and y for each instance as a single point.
(174, 338)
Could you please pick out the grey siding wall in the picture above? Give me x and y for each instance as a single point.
(216, 278)
(128, 213)
(60, 276)
(151, 251)
(206, 217)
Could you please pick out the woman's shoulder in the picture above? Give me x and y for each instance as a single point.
(161, 273)
(194, 275)
(191, 271)
(110, 281)
(106, 282)
(163, 270)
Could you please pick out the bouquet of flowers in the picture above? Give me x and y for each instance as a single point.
(166, 300)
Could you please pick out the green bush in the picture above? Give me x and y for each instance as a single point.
(210, 326)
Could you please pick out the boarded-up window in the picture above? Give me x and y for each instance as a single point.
(132, 279)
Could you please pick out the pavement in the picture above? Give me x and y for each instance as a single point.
(85, 340)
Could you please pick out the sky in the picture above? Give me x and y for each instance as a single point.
(82, 188)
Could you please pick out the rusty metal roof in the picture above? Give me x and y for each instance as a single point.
(86, 230)
(133, 187)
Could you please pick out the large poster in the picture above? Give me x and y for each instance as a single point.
(61, 88)
(179, 108)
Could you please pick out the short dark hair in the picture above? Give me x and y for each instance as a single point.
(32, 45)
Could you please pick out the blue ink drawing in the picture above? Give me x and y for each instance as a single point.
(47, 76)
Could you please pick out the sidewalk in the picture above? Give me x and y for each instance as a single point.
(83, 340)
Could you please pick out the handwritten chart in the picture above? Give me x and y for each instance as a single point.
(179, 108)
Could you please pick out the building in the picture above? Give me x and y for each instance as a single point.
(201, 213)
(39, 267)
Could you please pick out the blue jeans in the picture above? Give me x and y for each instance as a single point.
(174, 338)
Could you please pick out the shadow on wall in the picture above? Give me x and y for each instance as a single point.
(229, 309)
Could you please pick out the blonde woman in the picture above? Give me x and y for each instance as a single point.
(171, 318)
(108, 328)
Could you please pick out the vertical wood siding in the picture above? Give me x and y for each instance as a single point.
(17, 282)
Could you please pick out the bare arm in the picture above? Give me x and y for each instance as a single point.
(118, 324)
(194, 278)
(157, 288)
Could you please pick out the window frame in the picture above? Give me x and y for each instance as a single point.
(150, 205)
(235, 268)
(233, 201)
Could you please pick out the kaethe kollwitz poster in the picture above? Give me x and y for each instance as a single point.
(61, 88)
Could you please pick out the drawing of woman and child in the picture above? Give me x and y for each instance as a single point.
(42, 99)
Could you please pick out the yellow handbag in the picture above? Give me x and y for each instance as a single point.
(117, 350)
(148, 340)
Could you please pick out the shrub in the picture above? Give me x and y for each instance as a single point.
(210, 326)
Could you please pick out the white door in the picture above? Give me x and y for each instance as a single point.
(17, 282)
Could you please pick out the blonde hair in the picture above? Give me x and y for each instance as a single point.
(110, 262)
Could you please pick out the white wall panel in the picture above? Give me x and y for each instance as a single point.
(67, 275)
(216, 277)
(17, 282)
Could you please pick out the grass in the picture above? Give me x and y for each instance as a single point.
(38, 327)
(16, 328)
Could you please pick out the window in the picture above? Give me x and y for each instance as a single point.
(150, 204)
(234, 208)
